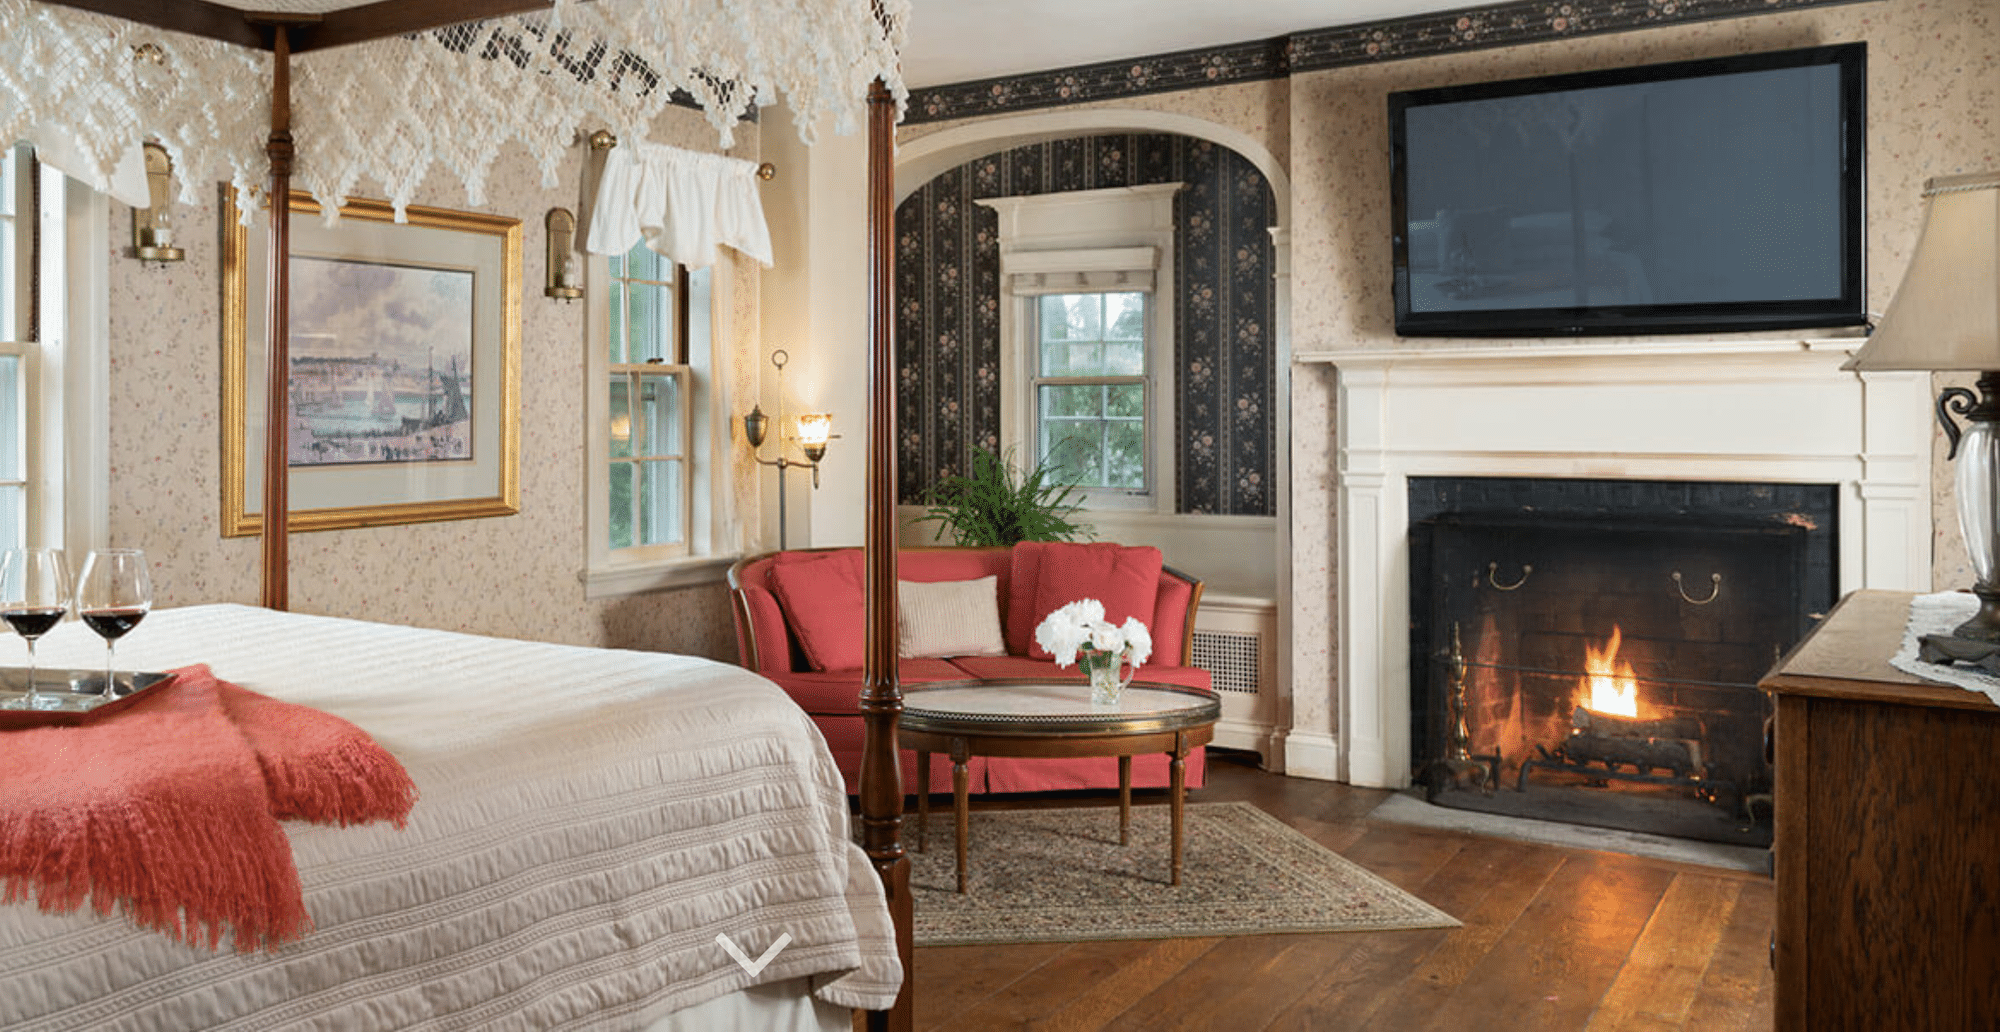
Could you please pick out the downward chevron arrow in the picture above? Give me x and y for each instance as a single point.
(754, 967)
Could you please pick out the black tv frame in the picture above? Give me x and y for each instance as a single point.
(1849, 309)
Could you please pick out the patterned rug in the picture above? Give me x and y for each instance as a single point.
(1060, 876)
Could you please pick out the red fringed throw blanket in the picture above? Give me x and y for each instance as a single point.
(168, 808)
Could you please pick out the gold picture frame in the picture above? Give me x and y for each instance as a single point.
(375, 441)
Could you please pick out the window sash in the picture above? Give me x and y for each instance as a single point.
(21, 489)
(1040, 425)
(628, 471)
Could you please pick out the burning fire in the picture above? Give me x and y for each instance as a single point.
(1612, 685)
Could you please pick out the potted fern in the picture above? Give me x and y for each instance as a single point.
(992, 506)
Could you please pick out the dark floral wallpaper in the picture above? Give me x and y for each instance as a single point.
(948, 309)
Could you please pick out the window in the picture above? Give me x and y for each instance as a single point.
(1090, 389)
(1087, 369)
(55, 455)
(17, 348)
(649, 382)
(654, 503)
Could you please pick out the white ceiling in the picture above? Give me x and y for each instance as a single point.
(962, 40)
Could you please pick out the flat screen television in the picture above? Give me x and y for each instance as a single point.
(1694, 197)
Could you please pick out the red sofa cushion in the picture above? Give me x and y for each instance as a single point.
(825, 601)
(1048, 575)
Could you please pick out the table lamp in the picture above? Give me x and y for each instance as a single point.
(1946, 317)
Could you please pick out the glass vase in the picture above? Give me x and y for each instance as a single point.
(1106, 686)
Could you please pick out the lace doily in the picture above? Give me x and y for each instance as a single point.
(384, 116)
(1938, 614)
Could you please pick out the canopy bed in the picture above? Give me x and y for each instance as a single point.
(383, 94)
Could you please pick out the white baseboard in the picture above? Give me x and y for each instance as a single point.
(1310, 755)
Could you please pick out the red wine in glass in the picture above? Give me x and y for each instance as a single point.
(110, 624)
(34, 595)
(113, 596)
(33, 622)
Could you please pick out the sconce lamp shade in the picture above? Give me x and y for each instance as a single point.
(815, 429)
(1946, 314)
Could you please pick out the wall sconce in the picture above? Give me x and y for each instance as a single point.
(153, 226)
(565, 271)
(814, 430)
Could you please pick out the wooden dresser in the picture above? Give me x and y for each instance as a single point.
(1888, 836)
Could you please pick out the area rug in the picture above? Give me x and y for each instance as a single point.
(1061, 876)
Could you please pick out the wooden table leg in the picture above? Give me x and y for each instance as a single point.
(1124, 800)
(923, 796)
(1179, 781)
(961, 803)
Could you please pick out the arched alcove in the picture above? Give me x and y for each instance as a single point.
(1231, 347)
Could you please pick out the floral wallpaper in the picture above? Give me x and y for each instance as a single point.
(513, 576)
(1440, 32)
(948, 309)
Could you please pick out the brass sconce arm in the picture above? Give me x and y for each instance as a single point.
(813, 432)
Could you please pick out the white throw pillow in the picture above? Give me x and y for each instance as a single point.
(950, 618)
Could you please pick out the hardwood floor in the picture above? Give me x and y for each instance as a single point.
(1553, 939)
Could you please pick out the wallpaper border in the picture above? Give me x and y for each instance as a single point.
(1468, 28)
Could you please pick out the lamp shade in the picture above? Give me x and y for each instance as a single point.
(815, 428)
(1946, 314)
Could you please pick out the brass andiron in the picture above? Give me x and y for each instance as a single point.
(1460, 764)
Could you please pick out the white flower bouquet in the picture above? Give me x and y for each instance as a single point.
(1077, 634)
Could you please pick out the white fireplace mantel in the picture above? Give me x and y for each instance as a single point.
(1772, 411)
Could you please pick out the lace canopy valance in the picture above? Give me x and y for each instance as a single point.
(384, 116)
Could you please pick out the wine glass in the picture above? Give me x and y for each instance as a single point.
(34, 595)
(113, 596)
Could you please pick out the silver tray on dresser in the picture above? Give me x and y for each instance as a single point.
(79, 693)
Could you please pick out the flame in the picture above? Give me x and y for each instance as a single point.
(1612, 685)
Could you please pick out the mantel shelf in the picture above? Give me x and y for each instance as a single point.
(1483, 351)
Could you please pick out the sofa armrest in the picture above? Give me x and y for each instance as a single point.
(1173, 615)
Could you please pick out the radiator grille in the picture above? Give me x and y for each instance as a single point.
(1231, 659)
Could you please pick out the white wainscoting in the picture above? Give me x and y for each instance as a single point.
(1777, 411)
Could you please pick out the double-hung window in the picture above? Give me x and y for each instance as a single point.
(18, 366)
(1091, 380)
(650, 383)
(53, 379)
(1087, 340)
(54, 372)
(654, 508)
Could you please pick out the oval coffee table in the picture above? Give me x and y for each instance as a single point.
(1053, 720)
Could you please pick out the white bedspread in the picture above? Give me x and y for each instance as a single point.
(590, 820)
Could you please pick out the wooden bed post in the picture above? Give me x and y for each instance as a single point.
(881, 695)
(278, 323)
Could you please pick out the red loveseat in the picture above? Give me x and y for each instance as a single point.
(821, 667)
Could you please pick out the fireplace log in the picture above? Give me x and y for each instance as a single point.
(1678, 756)
(1607, 725)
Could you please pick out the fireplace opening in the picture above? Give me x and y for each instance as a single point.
(1588, 651)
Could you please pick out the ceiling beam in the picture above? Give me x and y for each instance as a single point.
(195, 17)
(335, 28)
(401, 17)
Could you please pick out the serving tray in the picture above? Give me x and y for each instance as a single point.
(78, 692)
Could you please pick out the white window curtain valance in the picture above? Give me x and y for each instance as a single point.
(382, 117)
(680, 202)
(1110, 269)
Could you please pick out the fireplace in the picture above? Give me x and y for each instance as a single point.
(1588, 650)
(1663, 409)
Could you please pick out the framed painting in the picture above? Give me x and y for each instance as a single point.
(405, 383)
